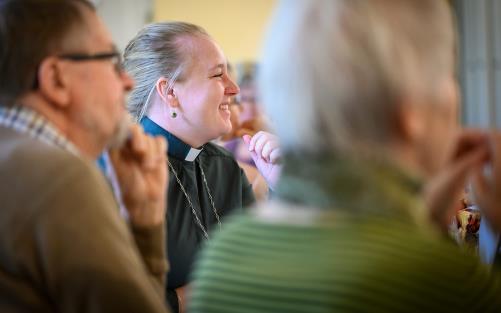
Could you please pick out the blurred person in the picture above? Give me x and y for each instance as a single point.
(251, 116)
(235, 109)
(64, 246)
(233, 142)
(365, 104)
(183, 93)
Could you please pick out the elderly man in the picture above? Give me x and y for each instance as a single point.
(365, 104)
(63, 244)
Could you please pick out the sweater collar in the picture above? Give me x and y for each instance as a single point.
(177, 148)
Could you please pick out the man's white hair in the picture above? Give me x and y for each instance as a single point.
(334, 71)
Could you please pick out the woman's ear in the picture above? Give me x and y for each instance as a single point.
(165, 93)
(54, 82)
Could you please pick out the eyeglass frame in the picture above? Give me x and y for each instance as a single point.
(115, 57)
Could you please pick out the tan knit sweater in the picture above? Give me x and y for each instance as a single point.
(63, 245)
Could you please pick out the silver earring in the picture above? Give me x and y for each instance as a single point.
(173, 114)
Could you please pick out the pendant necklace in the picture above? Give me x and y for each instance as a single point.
(194, 213)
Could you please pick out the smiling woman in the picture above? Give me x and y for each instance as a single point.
(183, 93)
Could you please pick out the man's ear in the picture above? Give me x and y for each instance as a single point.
(53, 82)
(165, 93)
(411, 121)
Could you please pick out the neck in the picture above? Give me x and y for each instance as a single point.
(347, 182)
(401, 154)
(178, 131)
(406, 157)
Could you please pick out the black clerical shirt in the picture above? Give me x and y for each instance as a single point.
(227, 184)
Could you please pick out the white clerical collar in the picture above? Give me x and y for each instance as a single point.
(192, 154)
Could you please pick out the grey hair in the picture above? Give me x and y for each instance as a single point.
(158, 50)
(349, 64)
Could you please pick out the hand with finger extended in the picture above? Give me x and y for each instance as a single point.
(265, 151)
(141, 169)
(441, 192)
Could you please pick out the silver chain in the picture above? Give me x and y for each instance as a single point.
(195, 216)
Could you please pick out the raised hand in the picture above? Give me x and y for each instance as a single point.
(141, 170)
(442, 191)
(265, 151)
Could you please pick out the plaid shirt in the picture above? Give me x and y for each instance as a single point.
(27, 121)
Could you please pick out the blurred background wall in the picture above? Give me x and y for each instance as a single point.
(239, 27)
(479, 24)
(124, 17)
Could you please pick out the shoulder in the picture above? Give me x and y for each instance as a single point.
(213, 150)
(396, 268)
(215, 153)
(29, 156)
(47, 185)
(413, 267)
(41, 160)
(41, 170)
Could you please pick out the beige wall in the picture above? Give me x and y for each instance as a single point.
(237, 25)
(124, 18)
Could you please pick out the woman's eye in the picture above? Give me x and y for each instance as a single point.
(218, 75)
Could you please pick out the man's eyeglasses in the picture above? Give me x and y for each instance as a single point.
(114, 56)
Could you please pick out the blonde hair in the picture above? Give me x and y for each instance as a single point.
(158, 50)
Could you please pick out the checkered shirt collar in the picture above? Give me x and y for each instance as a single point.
(27, 121)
